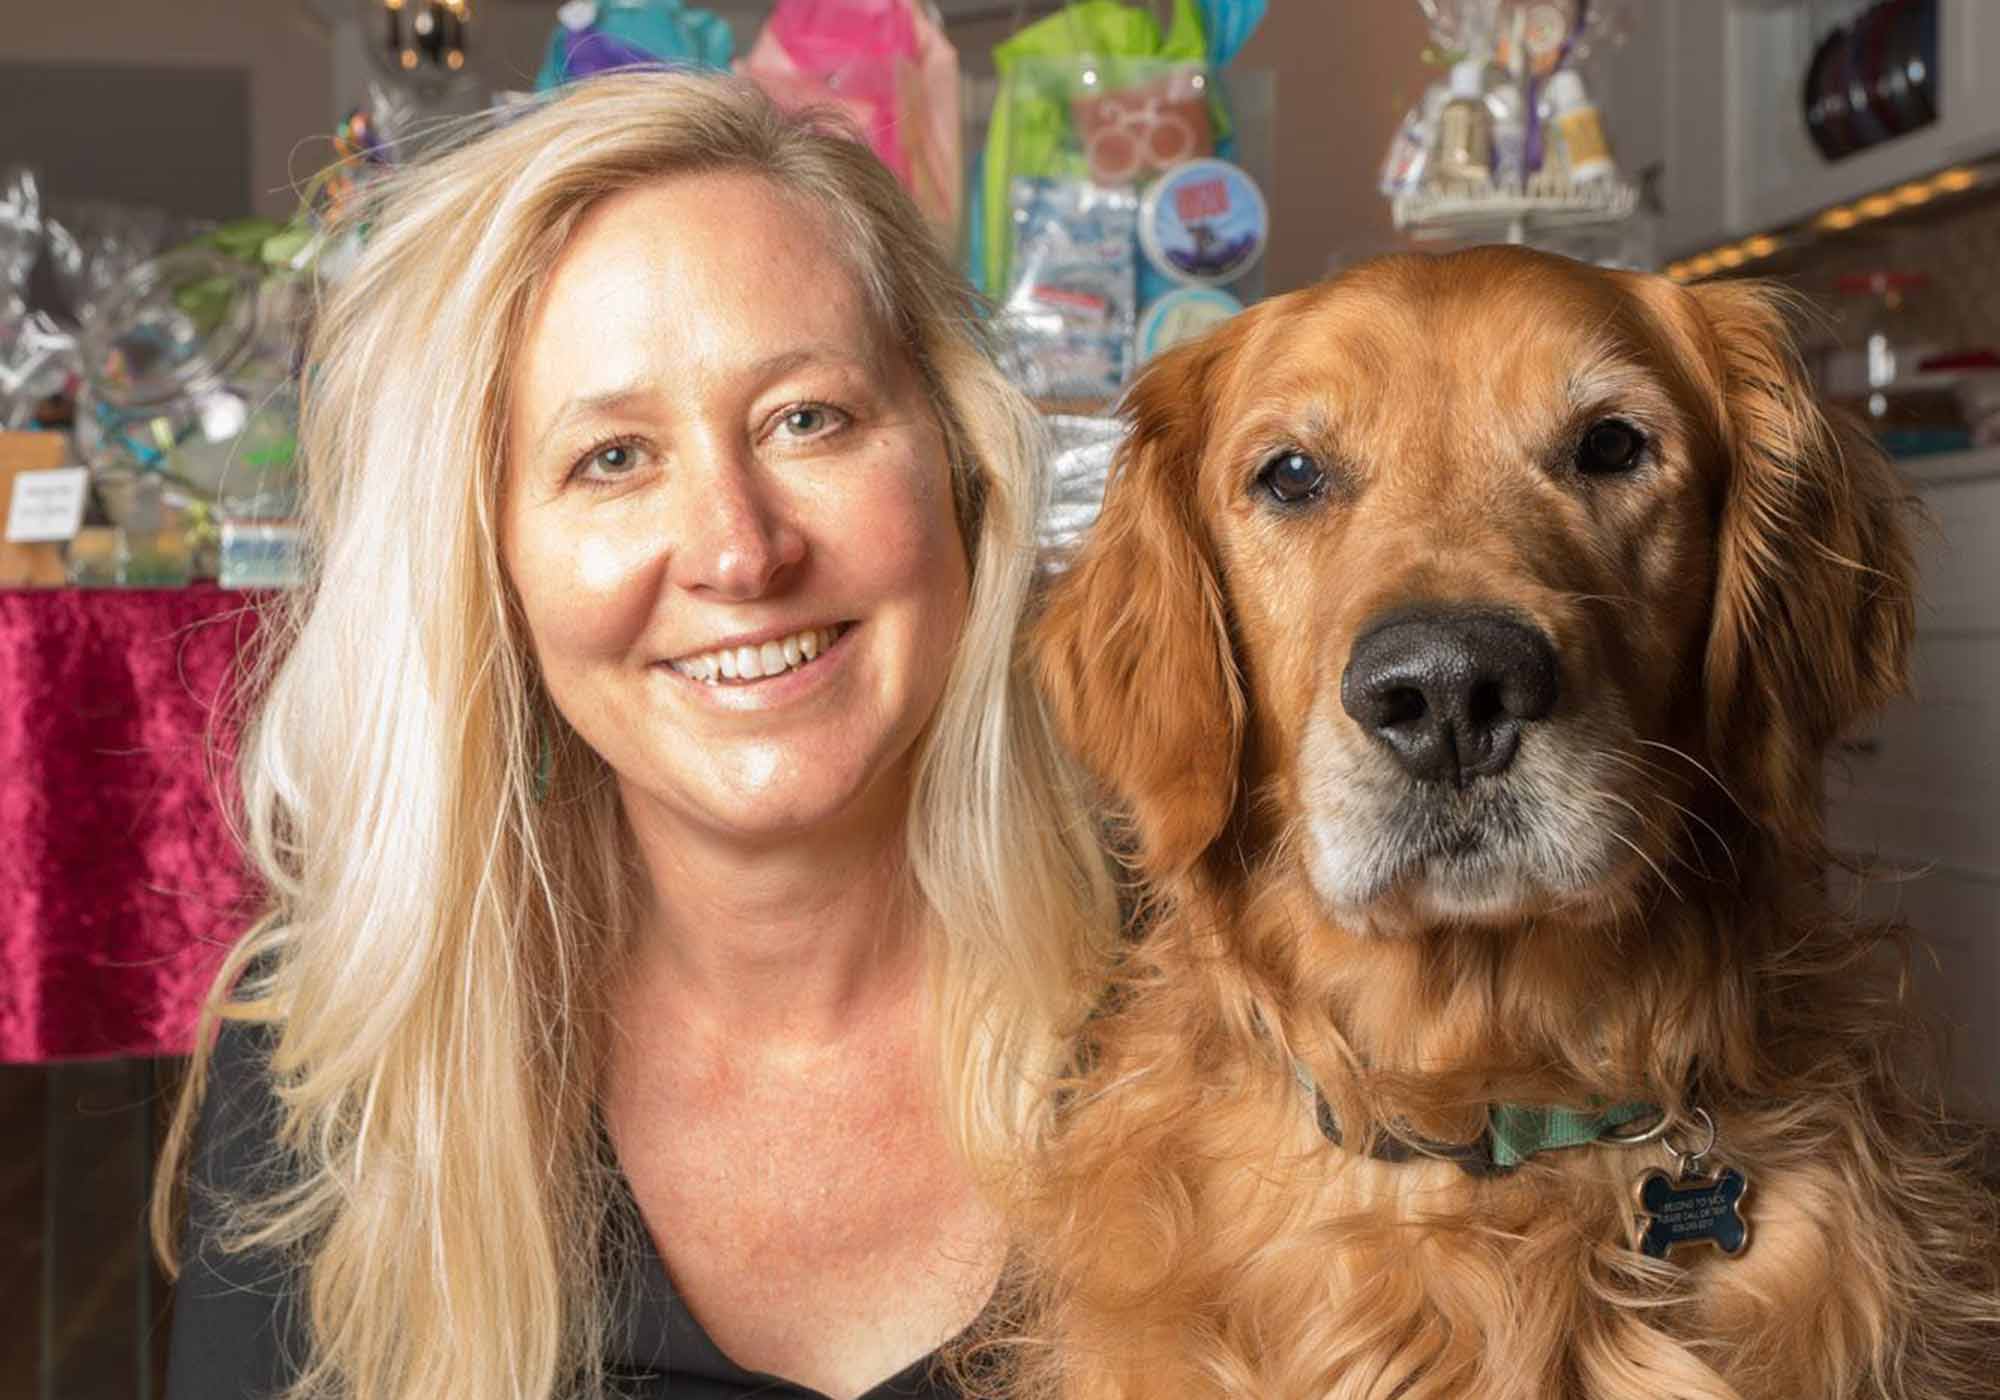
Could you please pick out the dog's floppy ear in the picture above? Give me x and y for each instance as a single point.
(1814, 595)
(1133, 648)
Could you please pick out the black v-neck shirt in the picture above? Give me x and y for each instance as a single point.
(237, 1329)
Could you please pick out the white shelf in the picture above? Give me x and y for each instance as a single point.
(1512, 214)
(1935, 468)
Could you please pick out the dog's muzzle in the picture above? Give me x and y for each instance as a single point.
(1448, 691)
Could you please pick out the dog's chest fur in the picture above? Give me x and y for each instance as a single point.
(1239, 1253)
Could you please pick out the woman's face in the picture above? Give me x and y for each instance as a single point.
(728, 516)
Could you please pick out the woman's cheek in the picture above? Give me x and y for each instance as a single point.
(598, 590)
(604, 564)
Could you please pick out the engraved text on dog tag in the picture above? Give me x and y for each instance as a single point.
(1692, 1211)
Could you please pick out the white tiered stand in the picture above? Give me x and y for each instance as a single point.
(1513, 214)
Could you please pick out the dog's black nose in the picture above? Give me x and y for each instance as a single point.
(1447, 691)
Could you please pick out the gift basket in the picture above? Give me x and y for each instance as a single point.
(37, 354)
(1112, 216)
(1509, 143)
(187, 411)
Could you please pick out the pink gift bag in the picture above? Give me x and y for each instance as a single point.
(887, 66)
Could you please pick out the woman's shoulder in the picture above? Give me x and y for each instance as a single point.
(236, 1326)
(237, 1096)
(234, 1148)
(233, 1155)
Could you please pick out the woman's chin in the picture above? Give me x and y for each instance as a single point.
(777, 794)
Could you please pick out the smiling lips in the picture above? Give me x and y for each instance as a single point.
(750, 663)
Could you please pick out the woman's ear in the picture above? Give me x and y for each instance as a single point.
(1132, 648)
(1815, 586)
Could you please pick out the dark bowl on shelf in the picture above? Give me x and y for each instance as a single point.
(1826, 98)
(1873, 80)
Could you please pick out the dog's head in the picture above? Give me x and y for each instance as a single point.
(1480, 577)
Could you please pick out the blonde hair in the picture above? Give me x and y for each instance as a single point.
(433, 964)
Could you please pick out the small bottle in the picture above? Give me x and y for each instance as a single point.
(1510, 135)
(1579, 128)
(1465, 129)
(1409, 158)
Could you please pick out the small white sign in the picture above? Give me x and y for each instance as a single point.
(48, 506)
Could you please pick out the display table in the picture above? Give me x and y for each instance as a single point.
(120, 885)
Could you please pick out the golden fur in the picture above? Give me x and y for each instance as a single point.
(1720, 616)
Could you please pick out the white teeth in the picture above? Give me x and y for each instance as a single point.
(753, 663)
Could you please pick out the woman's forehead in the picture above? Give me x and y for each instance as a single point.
(702, 270)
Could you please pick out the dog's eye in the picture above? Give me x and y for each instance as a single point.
(1612, 445)
(1292, 477)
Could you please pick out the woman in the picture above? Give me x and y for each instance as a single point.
(679, 896)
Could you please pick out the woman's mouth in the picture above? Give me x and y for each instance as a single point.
(740, 665)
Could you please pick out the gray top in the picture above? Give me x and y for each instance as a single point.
(236, 1327)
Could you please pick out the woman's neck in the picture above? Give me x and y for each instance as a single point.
(798, 943)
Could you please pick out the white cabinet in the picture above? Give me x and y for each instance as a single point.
(1920, 795)
(1739, 160)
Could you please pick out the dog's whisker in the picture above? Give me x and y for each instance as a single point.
(1615, 599)
(1672, 844)
(1687, 815)
(1648, 770)
(1701, 768)
(1636, 848)
(1645, 767)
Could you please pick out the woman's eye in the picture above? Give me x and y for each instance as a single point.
(1292, 477)
(809, 420)
(1609, 446)
(609, 462)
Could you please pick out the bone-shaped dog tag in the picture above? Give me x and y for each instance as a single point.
(1692, 1211)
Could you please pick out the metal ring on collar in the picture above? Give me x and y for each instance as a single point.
(1652, 1133)
(1701, 1116)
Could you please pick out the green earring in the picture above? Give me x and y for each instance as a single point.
(544, 758)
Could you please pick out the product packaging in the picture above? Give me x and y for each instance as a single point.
(260, 554)
(1100, 91)
(1184, 314)
(1099, 106)
(187, 413)
(887, 66)
(1204, 223)
(1580, 144)
(600, 36)
(1409, 157)
(1067, 320)
(1464, 154)
(1516, 119)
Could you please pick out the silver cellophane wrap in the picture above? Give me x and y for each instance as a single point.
(1080, 461)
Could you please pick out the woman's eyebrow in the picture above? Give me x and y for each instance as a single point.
(625, 398)
(585, 407)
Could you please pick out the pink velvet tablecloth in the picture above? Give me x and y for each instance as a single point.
(120, 886)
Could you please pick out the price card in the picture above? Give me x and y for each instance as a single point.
(47, 506)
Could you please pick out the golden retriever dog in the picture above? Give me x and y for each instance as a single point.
(1462, 639)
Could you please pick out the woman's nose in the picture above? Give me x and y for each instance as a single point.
(736, 539)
